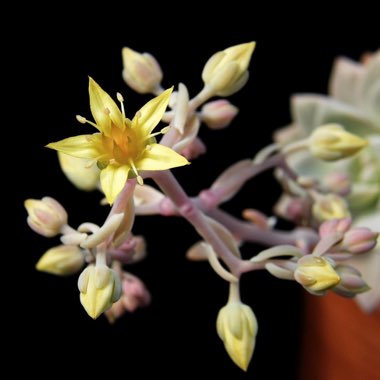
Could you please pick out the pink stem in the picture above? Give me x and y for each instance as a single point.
(188, 209)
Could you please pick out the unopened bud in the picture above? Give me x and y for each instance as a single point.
(292, 208)
(316, 274)
(141, 71)
(99, 288)
(338, 183)
(194, 149)
(330, 206)
(62, 260)
(218, 114)
(45, 216)
(359, 240)
(226, 72)
(351, 282)
(334, 226)
(331, 142)
(134, 295)
(237, 327)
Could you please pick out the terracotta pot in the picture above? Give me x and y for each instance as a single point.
(339, 341)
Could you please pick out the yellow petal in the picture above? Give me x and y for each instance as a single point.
(160, 157)
(112, 180)
(103, 108)
(78, 146)
(151, 113)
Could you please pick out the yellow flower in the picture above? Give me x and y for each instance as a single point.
(122, 147)
(316, 274)
(331, 142)
(226, 72)
(62, 260)
(237, 327)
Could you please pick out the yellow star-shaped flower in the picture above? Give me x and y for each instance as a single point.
(122, 147)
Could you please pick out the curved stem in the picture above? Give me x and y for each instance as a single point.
(189, 210)
(248, 232)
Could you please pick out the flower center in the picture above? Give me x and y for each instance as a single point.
(125, 145)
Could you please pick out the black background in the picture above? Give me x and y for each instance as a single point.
(176, 335)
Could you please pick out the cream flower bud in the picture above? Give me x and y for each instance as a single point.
(62, 260)
(237, 327)
(329, 207)
(331, 142)
(218, 114)
(45, 216)
(141, 71)
(99, 288)
(316, 274)
(226, 72)
(82, 173)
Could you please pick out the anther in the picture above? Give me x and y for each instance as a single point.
(120, 97)
(81, 119)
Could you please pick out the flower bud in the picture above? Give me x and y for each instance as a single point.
(334, 226)
(62, 260)
(331, 142)
(329, 207)
(218, 114)
(359, 240)
(99, 288)
(141, 71)
(45, 216)
(79, 171)
(194, 149)
(351, 282)
(316, 274)
(134, 295)
(237, 327)
(292, 208)
(226, 71)
(338, 183)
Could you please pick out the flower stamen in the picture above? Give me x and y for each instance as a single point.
(140, 180)
(121, 100)
(83, 120)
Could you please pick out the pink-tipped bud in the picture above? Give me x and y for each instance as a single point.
(333, 226)
(351, 282)
(141, 71)
(45, 216)
(195, 149)
(338, 183)
(359, 240)
(134, 295)
(218, 114)
(291, 208)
